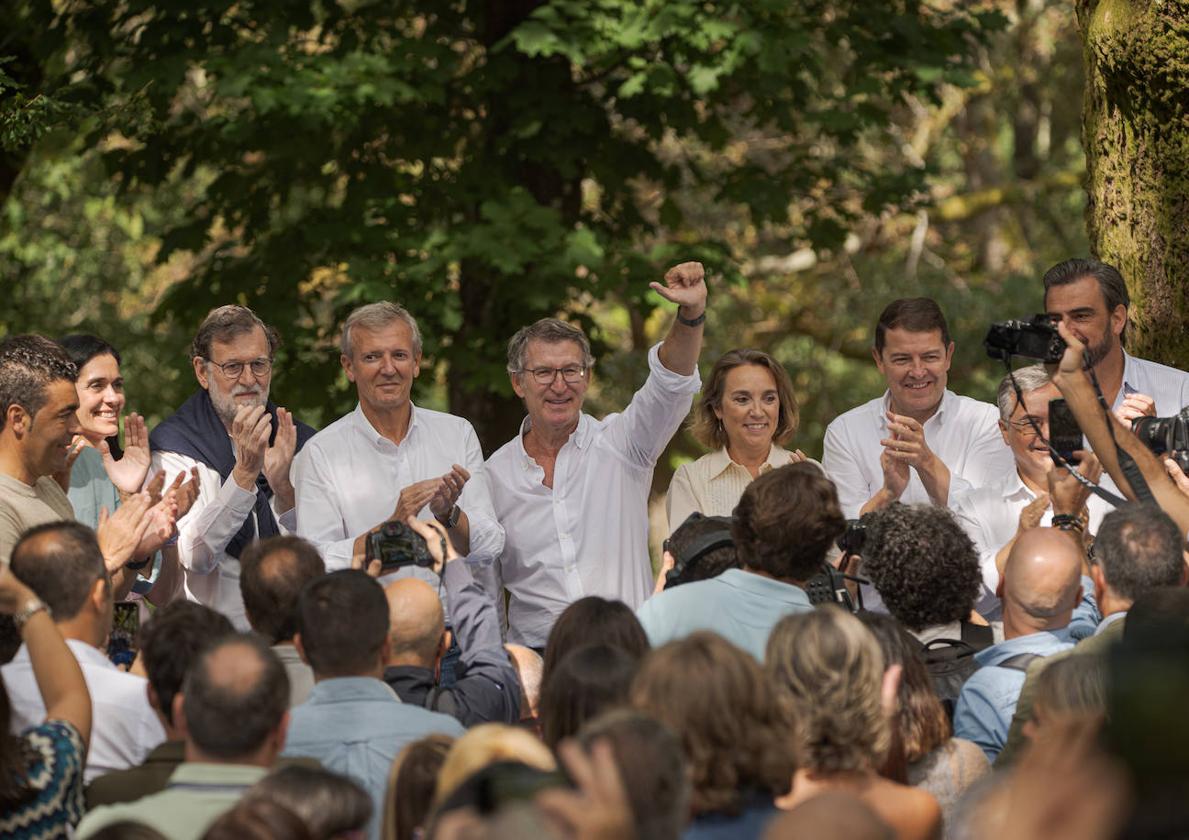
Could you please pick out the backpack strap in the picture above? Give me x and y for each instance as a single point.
(441, 699)
(1020, 661)
(978, 636)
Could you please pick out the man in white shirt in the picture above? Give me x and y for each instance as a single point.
(242, 446)
(1091, 297)
(389, 459)
(62, 564)
(572, 491)
(919, 442)
(993, 515)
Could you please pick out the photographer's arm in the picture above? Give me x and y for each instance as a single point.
(1074, 384)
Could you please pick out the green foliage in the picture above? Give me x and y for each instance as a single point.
(488, 164)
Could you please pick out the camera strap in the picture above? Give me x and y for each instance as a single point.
(1058, 458)
(1131, 471)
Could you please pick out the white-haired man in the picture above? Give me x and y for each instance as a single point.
(572, 491)
(390, 459)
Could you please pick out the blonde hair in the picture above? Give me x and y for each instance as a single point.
(829, 669)
(486, 744)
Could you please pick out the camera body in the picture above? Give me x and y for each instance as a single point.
(1036, 338)
(1167, 436)
(395, 544)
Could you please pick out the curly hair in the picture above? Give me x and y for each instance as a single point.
(706, 427)
(829, 669)
(922, 563)
(735, 734)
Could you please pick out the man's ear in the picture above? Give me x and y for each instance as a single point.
(515, 378)
(345, 361)
(1099, 579)
(200, 371)
(1119, 319)
(179, 716)
(17, 419)
(100, 595)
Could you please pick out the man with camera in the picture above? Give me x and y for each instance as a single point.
(919, 441)
(1033, 494)
(1091, 299)
(367, 472)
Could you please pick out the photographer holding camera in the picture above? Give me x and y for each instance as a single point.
(1091, 298)
(1107, 435)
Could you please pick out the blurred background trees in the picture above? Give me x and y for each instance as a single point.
(489, 163)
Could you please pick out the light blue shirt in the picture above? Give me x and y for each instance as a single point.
(988, 700)
(356, 726)
(1086, 615)
(740, 606)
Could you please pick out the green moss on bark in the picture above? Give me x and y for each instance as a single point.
(1136, 136)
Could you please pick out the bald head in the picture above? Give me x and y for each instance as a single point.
(237, 679)
(1042, 579)
(272, 573)
(529, 667)
(415, 623)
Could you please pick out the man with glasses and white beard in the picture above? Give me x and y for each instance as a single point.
(243, 446)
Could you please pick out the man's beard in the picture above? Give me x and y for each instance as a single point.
(226, 405)
(1099, 351)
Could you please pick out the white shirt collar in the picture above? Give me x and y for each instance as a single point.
(374, 437)
(885, 405)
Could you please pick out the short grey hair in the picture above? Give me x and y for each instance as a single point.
(551, 331)
(374, 316)
(1029, 379)
(224, 323)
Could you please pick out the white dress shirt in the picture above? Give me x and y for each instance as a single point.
(991, 516)
(124, 727)
(211, 575)
(713, 484)
(1168, 386)
(588, 534)
(963, 433)
(348, 478)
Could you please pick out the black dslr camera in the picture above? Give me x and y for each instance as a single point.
(1167, 436)
(1033, 339)
(395, 544)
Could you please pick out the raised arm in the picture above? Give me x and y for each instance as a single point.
(1074, 384)
(490, 689)
(684, 285)
(58, 675)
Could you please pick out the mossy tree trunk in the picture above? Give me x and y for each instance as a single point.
(1136, 136)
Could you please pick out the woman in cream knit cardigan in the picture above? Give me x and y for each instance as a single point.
(746, 413)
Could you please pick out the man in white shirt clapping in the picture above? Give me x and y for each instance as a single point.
(919, 442)
(572, 491)
(390, 459)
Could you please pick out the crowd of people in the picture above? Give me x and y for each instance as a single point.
(236, 626)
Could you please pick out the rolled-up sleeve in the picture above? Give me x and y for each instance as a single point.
(655, 412)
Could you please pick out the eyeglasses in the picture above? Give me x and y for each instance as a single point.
(1027, 427)
(546, 375)
(234, 370)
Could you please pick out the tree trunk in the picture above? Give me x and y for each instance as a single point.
(1136, 137)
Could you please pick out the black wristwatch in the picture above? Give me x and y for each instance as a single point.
(691, 322)
(451, 518)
